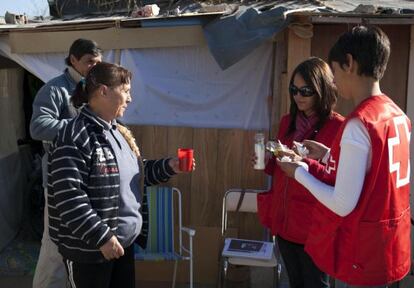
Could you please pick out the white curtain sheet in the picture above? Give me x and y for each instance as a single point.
(180, 86)
(185, 87)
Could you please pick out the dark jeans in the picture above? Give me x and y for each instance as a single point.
(340, 284)
(113, 274)
(301, 270)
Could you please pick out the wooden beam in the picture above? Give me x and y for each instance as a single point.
(410, 91)
(359, 19)
(335, 20)
(111, 38)
(298, 50)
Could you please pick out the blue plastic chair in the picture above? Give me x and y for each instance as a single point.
(162, 201)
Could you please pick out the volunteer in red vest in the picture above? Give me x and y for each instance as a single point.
(361, 230)
(287, 207)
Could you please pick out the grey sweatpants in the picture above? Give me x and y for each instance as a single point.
(50, 269)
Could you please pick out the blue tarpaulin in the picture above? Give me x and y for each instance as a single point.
(232, 37)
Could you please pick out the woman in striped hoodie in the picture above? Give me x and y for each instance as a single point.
(95, 184)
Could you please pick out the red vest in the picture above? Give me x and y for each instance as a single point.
(371, 245)
(287, 207)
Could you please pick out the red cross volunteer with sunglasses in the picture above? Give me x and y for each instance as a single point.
(287, 208)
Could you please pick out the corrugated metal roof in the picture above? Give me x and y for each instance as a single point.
(352, 8)
(94, 6)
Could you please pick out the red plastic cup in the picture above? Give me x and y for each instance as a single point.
(185, 158)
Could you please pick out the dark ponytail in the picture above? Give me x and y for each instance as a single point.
(80, 96)
(103, 73)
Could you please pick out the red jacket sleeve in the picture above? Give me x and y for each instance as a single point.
(283, 126)
(315, 168)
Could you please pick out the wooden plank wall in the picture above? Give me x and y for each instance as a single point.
(394, 82)
(223, 162)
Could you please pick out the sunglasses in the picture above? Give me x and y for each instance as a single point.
(304, 91)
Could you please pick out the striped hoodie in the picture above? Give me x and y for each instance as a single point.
(83, 188)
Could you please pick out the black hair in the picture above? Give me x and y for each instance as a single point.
(81, 47)
(318, 76)
(368, 45)
(103, 73)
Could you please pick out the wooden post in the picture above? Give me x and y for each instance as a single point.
(298, 49)
(279, 89)
(409, 280)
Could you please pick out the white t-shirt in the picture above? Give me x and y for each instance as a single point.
(354, 162)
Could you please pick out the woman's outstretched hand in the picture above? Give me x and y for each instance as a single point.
(175, 165)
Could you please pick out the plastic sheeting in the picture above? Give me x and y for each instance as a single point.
(14, 171)
(43, 66)
(185, 87)
(232, 37)
(181, 86)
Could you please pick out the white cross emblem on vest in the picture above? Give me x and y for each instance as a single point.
(402, 136)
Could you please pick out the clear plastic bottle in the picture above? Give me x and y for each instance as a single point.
(259, 150)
